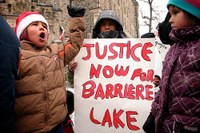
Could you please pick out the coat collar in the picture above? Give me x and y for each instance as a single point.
(185, 34)
(27, 45)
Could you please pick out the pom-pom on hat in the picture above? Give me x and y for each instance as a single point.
(190, 6)
(27, 18)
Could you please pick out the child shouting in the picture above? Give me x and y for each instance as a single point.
(40, 87)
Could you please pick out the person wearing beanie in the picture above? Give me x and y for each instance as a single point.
(9, 60)
(177, 105)
(40, 105)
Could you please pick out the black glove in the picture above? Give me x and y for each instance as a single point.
(75, 11)
(164, 29)
(108, 34)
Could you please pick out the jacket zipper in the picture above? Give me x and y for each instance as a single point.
(45, 97)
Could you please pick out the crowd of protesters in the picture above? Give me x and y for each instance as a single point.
(33, 96)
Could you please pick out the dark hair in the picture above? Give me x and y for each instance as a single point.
(192, 17)
(70, 101)
(148, 35)
(157, 76)
(189, 14)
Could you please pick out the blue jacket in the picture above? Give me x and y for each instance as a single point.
(9, 58)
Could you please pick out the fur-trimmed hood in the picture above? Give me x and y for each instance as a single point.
(108, 14)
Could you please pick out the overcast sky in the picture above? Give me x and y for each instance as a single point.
(161, 6)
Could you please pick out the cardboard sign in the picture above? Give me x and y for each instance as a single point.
(113, 85)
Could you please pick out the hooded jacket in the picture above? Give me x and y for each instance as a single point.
(119, 33)
(179, 95)
(40, 87)
(9, 58)
(108, 14)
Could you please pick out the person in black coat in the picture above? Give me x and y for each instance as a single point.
(164, 28)
(9, 60)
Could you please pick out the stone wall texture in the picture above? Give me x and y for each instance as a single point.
(55, 12)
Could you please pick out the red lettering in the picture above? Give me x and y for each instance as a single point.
(99, 92)
(107, 118)
(116, 121)
(136, 73)
(150, 75)
(88, 48)
(128, 53)
(131, 92)
(108, 72)
(95, 121)
(142, 75)
(116, 118)
(139, 90)
(145, 51)
(131, 120)
(113, 51)
(134, 47)
(118, 50)
(98, 51)
(121, 49)
(95, 72)
(87, 93)
(110, 91)
(120, 71)
(149, 92)
(118, 90)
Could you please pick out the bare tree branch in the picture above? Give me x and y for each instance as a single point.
(153, 14)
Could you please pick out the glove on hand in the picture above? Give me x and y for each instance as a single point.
(75, 11)
(108, 34)
(164, 29)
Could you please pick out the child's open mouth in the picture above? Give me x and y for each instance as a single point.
(42, 35)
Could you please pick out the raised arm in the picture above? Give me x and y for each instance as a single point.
(76, 33)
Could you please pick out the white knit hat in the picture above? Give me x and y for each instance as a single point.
(27, 18)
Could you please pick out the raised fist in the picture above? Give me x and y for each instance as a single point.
(75, 11)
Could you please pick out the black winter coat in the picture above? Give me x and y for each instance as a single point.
(9, 58)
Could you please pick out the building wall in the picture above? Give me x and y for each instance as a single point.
(127, 11)
(55, 12)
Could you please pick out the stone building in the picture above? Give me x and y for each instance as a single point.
(55, 12)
